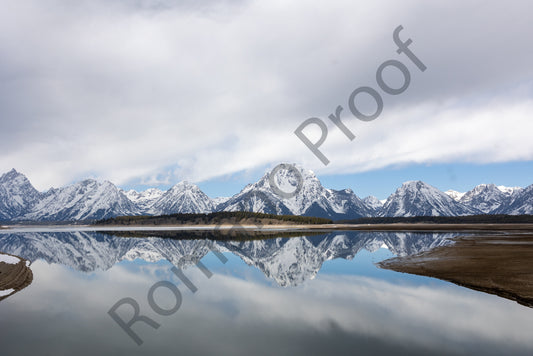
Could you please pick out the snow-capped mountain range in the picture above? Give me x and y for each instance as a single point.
(311, 200)
(416, 198)
(486, 197)
(185, 198)
(84, 200)
(91, 200)
(144, 200)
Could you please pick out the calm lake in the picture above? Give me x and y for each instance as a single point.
(304, 295)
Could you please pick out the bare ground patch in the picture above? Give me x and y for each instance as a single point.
(496, 264)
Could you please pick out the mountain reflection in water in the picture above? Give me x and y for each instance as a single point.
(289, 261)
(304, 295)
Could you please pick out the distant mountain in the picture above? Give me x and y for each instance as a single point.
(373, 203)
(253, 198)
(17, 195)
(92, 200)
(486, 197)
(144, 200)
(416, 198)
(455, 195)
(521, 202)
(219, 200)
(182, 198)
(512, 191)
(311, 200)
(85, 200)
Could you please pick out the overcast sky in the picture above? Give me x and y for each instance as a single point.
(153, 92)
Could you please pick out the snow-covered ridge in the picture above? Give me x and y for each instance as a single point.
(91, 199)
(144, 200)
(220, 200)
(183, 197)
(311, 200)
(416, 198)
(455, 195)
(509, 190)
(373, 202)
(17, 195)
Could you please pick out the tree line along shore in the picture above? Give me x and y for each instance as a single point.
(217, 218)
(260, 219)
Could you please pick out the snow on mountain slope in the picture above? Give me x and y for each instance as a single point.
(220, 200)
(182, 198)
(486, 198)
(311, 200)
(256, 199)
(346, 204)
(373, 203)
(521, 203)
(510, 190)
(416, 198)
(89, 199)
(455, 195)
(85, 200)
(144, 200)
(17, 195)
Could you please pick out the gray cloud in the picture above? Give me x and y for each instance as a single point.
(125, 90)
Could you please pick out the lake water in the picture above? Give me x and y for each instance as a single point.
(306, 295)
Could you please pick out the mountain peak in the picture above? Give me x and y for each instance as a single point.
(373, 203)
(509, 190)
(184, 186)
(92, 199)
(11, 175)
(455, 195)
(310, 198)
(84, 200)
(485, 197)
(144, 200)
(183, 197)
(520, 202)
(17, 195)
(416, 198)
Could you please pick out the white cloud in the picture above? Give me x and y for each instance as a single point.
(162, 91)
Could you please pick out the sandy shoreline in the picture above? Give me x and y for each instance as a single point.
(15, 274)
(429, 227)
(496, 264)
